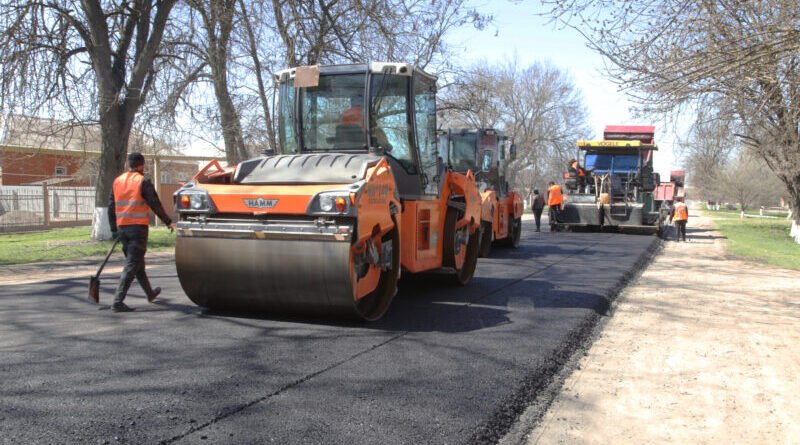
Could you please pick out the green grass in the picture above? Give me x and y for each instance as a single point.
(66, 244)
(763, 240)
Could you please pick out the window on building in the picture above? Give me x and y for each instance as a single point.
(61, 171)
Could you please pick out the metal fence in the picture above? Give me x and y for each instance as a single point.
(42, 207)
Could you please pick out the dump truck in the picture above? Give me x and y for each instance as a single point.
(355, 196)
(618, 190)
(487, 152)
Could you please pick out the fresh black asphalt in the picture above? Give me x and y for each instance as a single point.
(446, 365)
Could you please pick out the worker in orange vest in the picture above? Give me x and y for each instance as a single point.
(580, 174)
(679, 215)
(354, 114)
(132, 197)
(554, 199)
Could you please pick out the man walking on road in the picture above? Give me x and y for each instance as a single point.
(537, 205)
(680, 215)
(132, 197)
(554, 200)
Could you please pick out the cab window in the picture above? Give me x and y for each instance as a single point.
(425, 123)
(389, 126)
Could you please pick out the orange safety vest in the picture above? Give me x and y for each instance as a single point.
(352, 116)
(681, 213)
(554, 195)
(130, 206)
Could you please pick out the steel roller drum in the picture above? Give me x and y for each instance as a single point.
(308, 277)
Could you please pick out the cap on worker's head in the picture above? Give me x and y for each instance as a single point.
(135, 159)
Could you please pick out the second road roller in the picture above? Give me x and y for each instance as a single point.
(486, 152)
(355, 196)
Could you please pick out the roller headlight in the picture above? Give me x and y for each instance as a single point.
(326, 202)
(193, 201)
(332, 203)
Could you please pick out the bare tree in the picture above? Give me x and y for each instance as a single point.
(214, 48)
(740, 58)
(707, 151)
(472, 99)
(539, 106)
(251, 30)
(52, 52)
(746, 181)
(329, 31)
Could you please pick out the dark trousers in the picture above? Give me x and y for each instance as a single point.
(537, 214)
(555, 211)
(134, 246)
(681, 229)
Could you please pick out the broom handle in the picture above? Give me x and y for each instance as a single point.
(110, 251)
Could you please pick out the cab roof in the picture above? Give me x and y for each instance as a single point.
(396, 68)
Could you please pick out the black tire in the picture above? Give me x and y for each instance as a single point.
(374, 305)
(515, 233)
(486, 238)
(463, 275)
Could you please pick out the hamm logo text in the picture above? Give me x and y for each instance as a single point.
(260, 203)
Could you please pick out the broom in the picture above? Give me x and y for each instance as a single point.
(94, 282)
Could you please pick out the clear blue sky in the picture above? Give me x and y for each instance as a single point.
(518, 31)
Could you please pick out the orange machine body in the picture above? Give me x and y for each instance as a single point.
(486, 151)
(327, 224)
(500, 211)
(420, 223)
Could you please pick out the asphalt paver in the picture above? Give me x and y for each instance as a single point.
(447, 364)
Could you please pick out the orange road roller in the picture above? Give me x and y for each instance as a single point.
(355, 196)
(487, 153)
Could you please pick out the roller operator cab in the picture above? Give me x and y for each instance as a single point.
(487, 152)
(617, 189)
(355, 196)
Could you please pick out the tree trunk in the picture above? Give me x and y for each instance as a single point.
(229, 119)
(115, 130)
(794, 194)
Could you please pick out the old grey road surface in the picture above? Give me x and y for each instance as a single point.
(445, 365)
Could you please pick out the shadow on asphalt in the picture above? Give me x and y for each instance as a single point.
(433, 305)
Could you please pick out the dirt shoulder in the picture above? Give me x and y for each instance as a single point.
(54, 270)
(702, 348)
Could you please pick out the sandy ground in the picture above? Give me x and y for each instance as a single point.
(38, 272)
(703, 348)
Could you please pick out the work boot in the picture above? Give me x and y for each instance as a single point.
(121, 307)
(152, 296)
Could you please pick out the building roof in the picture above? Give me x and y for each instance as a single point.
(27, 131)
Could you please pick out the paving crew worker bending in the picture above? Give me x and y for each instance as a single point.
(679, 215)
(132, 197)
(554, 200)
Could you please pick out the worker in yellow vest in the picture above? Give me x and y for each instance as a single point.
(680, 216)
(554, 200)
(132, 198)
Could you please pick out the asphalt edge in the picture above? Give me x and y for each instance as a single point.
(524, 409)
